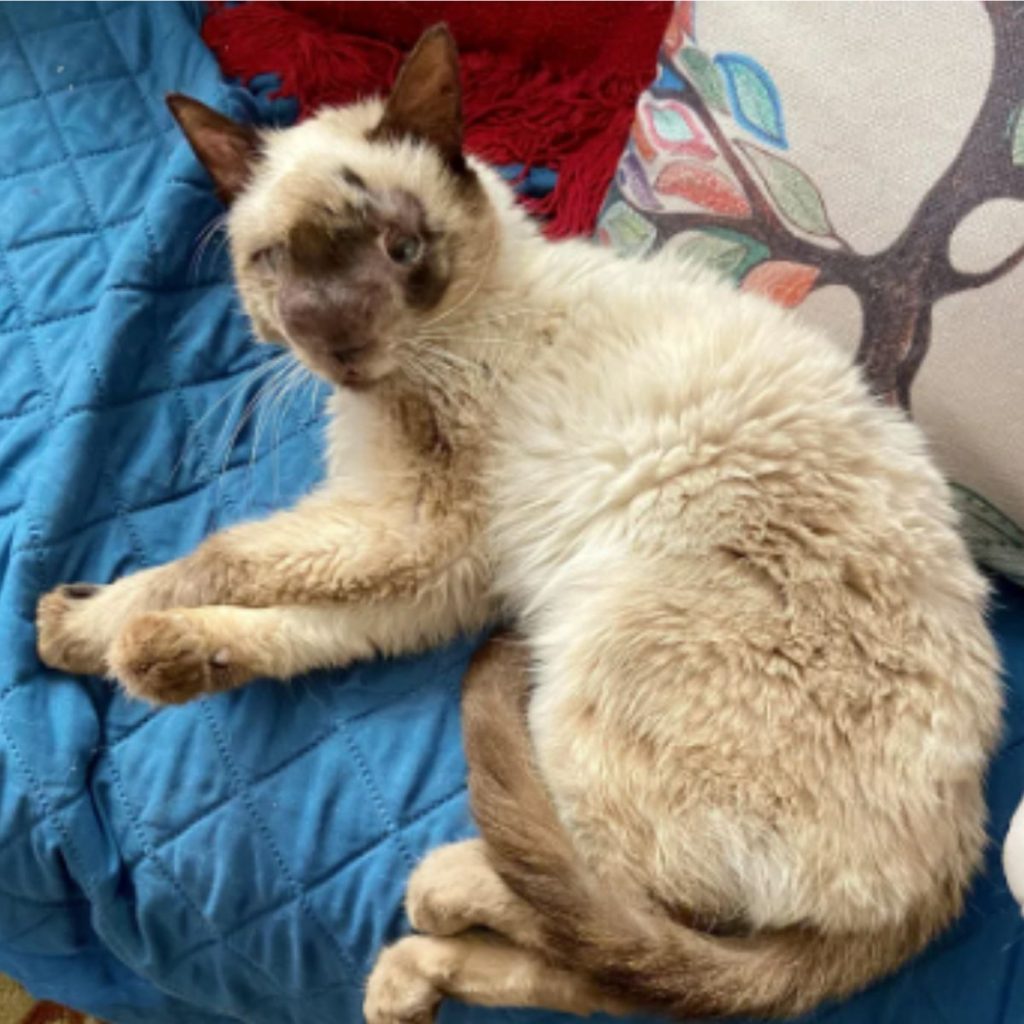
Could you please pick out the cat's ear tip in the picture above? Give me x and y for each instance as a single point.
(438, 33)
(438, 29)
(180, 104)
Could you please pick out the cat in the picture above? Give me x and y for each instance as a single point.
(730, 761)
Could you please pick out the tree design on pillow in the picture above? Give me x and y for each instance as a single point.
(762, 220)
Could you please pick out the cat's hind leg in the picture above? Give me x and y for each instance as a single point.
(455, 888)
(412, 977)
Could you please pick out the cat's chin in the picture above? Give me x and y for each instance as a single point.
(361, 376)
(355, 380)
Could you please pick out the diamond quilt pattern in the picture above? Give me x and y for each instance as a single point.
(243, 858)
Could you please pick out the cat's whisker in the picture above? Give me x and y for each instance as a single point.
(292, 386)
(487, 318)
(453, 358)
(430, 377)
(247, 380)
(474, 339)
(220, 244)
(252, 406)
(314, 393)
(206, 235)
(267, 401)
(447, 366)
(266, 398)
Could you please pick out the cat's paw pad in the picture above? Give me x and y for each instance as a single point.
(167, 658)
(446, 888)
(399, 990)
(63, 639)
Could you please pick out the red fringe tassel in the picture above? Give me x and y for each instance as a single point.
(545, 84)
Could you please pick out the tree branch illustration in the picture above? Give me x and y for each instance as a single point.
(960, 280)
(764, 224)
(898, 286)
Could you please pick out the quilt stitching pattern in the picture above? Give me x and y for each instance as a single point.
(265, 832)
(202, 483)
(88, 155)
(83, 511)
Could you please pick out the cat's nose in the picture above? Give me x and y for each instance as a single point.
(324, 321)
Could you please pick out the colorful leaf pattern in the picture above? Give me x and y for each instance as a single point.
(643, 144)
(629, 233)
(674, 128)
(680, 25)
(635, 185)
(703, 185)
(785, 283)
(668, 78)
(770, 197)
(753, 97)
(994, 538)
(795, 194)
(672, 156)
(706, 77)
(729, 253)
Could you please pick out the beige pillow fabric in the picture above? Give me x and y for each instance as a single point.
(865, 162)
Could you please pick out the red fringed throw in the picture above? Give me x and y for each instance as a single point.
(545, 84)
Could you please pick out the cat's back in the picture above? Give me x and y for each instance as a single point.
(727, 555)
(670, 398)
(709, 436)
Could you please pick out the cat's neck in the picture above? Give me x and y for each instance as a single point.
(520, 302)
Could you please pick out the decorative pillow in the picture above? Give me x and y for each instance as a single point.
(866, 163)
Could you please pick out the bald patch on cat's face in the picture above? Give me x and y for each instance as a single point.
(346, 245)
(349, 274)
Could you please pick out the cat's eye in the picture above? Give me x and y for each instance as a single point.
(404, 249)
(264, 257)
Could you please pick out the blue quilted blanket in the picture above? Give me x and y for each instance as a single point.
(243, 858)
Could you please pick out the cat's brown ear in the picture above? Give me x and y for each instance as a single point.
(224, 147)
(426, 100)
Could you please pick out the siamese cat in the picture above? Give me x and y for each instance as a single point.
(731, 759)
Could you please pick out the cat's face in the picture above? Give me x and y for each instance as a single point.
(351, 232)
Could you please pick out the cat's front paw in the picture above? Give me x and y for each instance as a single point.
(169, 658)
(65, 639)
(399, 990)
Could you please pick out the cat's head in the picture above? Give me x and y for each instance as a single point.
(352, 232)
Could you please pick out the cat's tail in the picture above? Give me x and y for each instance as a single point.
(647, 960)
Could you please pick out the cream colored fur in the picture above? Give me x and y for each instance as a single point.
(764, 691)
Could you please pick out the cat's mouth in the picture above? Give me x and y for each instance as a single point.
(349, 369)
(355, 367)
(351, 374)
